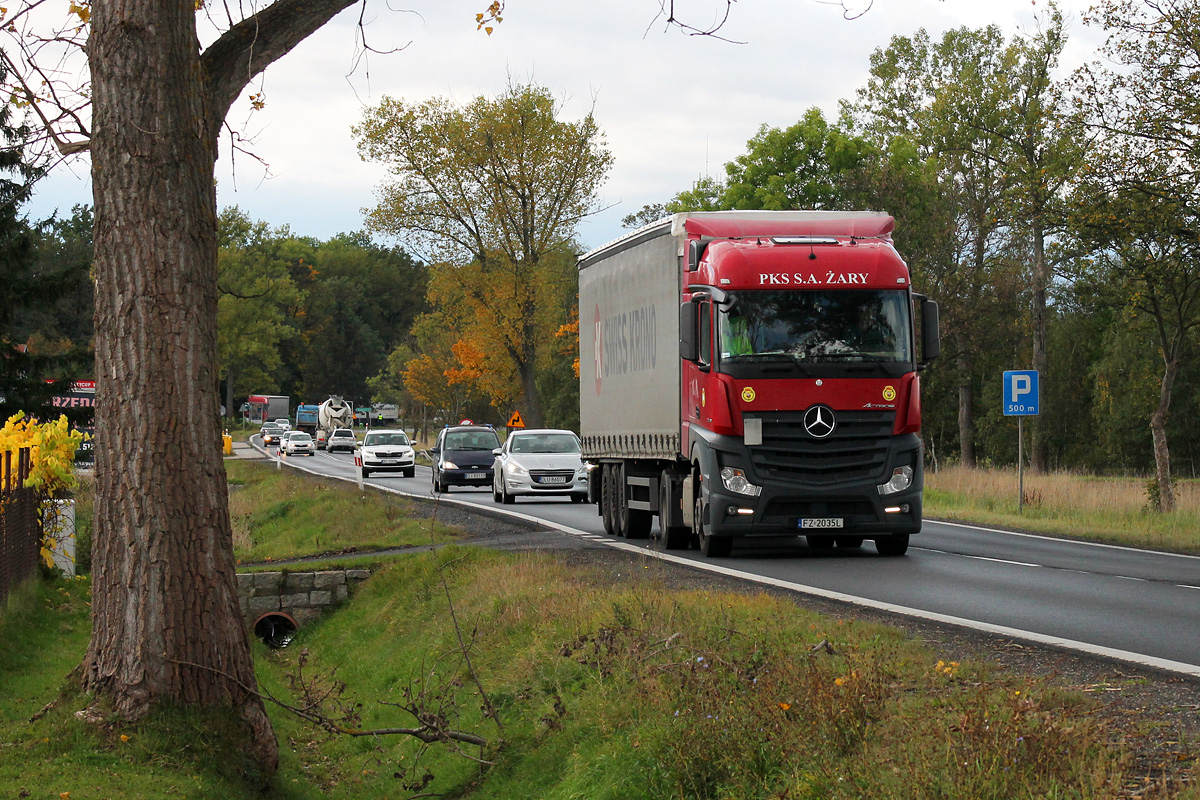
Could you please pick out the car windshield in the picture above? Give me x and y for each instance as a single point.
(302, 438)
(382, 439)
(472, 440)
(545, 443)
(343, 434)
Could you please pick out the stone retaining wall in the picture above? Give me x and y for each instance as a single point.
(303, 595)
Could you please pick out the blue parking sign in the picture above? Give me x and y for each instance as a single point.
(1021, 393)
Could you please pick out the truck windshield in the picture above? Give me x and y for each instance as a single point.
(819, 327)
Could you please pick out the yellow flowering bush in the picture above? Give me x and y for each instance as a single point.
(52, 447)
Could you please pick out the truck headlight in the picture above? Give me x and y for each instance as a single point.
(735, 481)
(901, 480)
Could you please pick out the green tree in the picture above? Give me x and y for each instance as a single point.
(495, 188)
(1139, 201)
(940, 103)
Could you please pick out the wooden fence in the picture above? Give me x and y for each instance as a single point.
(19, 531)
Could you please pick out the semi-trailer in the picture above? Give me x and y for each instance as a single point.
(755, 373)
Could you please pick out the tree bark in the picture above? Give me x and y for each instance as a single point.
(1039, 451)
(1158, 432)
(165, 619)
(166, 627)
(966, 410)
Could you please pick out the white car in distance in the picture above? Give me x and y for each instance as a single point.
(341, 439)
(298, 443)
(543, 461)
(387, 451)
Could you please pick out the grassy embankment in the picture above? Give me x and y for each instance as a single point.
(602, 687)
(1110, 510)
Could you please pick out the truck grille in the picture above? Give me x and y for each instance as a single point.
(857, 449)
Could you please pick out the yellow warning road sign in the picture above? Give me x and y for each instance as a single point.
(515, 420)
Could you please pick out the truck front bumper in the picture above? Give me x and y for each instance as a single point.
(784, 504)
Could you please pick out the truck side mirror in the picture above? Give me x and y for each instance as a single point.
(931, 340)
(695, 252)
(689, 333)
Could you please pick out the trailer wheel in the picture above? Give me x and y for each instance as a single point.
(894, 545)
(710, 546)
(633, 523)
(606, 497)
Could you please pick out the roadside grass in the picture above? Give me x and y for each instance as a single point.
(280, 514)
(1113, 510)
(603, 689)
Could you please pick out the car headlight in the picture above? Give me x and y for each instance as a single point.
(901, 480)
(516, 469)
(449, 465)
(735, 480)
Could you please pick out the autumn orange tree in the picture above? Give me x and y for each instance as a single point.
(494, 189)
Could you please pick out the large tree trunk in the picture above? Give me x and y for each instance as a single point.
(1158, 432)
(166, 627)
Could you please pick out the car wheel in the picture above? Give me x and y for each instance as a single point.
(894, 545)
(710, 546)
(505, 497)
(411, 472)
(848, 542)
(578, 498)
(366, 474)
(437, 485)
(496, 496)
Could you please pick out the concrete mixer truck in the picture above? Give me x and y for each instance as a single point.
(333, 413)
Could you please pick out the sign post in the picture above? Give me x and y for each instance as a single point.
(1022, 398)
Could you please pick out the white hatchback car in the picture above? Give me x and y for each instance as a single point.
(543, 461)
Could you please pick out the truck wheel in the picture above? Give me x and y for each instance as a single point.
(669, 537)
(894, 545)
(710, 546)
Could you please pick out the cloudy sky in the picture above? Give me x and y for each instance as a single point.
(672, 107)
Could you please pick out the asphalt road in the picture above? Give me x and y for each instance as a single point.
(1133, 605)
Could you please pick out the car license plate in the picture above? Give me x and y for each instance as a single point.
(387, 461)
(472, 476)
(821, 522)
(553, 479)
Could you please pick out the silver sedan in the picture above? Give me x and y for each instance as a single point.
(539, 462)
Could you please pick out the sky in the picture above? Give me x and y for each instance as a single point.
(672, 107)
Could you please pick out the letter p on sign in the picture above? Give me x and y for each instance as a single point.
(1021, 393)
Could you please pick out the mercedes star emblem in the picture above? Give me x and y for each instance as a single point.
(819, 421)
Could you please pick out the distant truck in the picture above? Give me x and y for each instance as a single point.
(333, 413)
(266, 407)
(384, 413)
(307, 418)
(754, 373)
